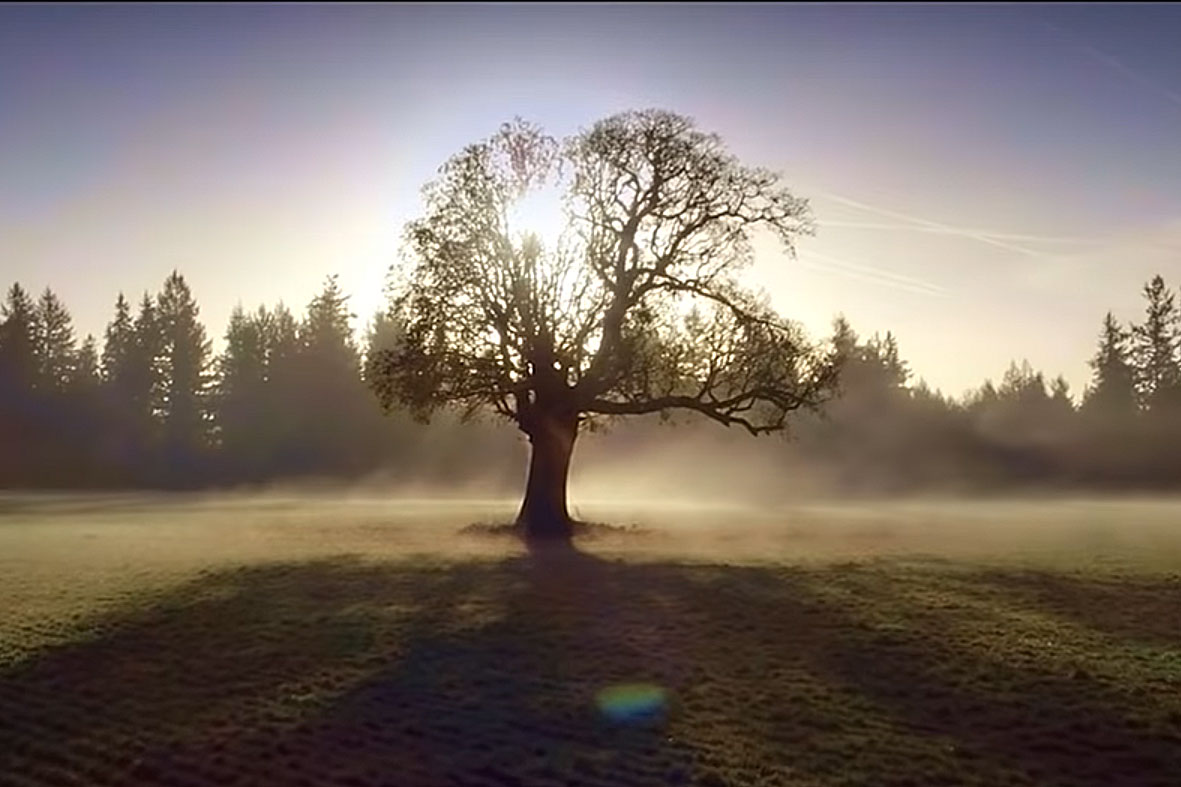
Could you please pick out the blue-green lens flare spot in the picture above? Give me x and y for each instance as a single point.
(629, 702)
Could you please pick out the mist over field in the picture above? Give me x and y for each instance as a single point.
(199, 529)
(104, 547)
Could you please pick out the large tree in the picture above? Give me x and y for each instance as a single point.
(636, 307)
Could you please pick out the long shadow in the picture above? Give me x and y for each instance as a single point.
(496, 685)
(997, 716)
(230, 651)
(358, 674)
(351, 673)
(1137, 608)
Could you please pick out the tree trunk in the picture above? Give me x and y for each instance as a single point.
(544, 517)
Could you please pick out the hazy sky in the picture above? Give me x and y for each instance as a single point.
(988, 180)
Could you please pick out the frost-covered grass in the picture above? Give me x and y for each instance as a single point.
(348, 641)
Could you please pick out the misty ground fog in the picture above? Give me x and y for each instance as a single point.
(199, 528)
(55, 548)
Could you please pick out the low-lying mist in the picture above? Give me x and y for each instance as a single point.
(293, 523)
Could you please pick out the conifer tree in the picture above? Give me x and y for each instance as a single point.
(54, 344)
(119, 342)
(240, 394)
(18, 380)
(184, 368)
(1113, 384)
(1154, 347)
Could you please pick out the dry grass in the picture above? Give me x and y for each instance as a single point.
(331, 643)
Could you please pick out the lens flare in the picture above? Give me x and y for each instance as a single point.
(632, 702)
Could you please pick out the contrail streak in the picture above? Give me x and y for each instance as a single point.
(870, 274)
(936, 226)
(1116, 65)
(1002, 236)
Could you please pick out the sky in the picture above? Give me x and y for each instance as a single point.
(987, 180)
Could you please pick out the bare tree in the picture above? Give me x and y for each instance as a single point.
(636, 307)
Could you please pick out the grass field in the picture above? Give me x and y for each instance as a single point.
(347, 641)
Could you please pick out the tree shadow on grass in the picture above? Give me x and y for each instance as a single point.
(1144, 609)
(357, 673)
(352, 673)
(945, 672)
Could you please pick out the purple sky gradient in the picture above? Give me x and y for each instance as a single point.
(988, 180)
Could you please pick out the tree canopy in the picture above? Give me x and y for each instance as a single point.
(636, 308)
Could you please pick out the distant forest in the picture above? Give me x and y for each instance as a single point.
(287, 399)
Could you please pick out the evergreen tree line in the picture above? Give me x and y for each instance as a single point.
(154, 408)
(885, 432)
(287, 399)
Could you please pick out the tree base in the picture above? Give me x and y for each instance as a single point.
(548, 531)
(583, 531)
(579, 528)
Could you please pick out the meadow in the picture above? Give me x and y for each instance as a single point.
(360, 641)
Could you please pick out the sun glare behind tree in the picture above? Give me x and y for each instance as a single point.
(630, 306)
